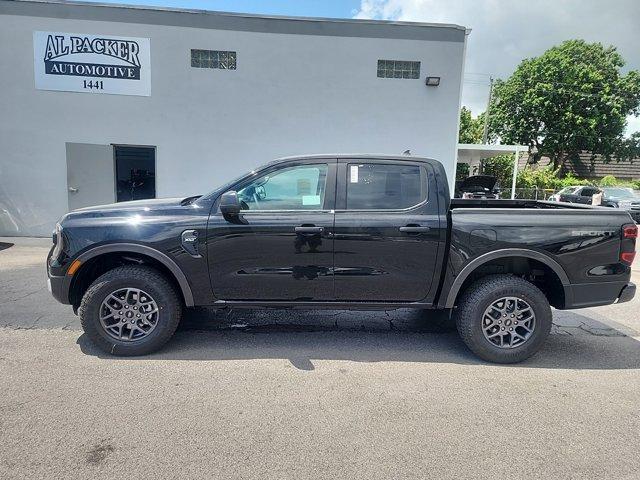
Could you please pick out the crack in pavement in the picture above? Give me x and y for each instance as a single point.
(601, 332)
(20, 298)
(36, 321)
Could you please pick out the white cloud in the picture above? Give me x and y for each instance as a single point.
(506, 31)
(633, 125)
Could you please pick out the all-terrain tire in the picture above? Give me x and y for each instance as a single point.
(146, 279)
(483, 293)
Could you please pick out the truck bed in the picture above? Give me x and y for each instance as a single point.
(581, 241)
(519, 203)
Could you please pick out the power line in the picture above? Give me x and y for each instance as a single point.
(594, 89)
(478, 73)
(561, 84)
(585, 94)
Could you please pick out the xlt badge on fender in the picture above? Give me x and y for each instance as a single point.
(189, 241)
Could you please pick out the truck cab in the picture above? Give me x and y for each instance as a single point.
(320, 229)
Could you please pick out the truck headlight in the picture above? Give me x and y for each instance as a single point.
(58, 241)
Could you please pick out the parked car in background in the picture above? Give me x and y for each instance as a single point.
(581, 194)
(478, 187)
(623, 198)
(565, 191)
(614, 197)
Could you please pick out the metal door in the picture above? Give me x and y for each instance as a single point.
(90, 175)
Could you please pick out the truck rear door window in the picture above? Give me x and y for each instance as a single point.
(377, 186)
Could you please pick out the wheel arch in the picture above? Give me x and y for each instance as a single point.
(475, 264)
(170, 267)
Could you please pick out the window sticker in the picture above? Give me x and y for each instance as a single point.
(311, 200)
(353, 173)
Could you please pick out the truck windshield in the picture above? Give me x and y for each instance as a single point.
(226, 186)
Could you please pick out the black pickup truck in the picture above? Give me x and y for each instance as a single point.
(340, 232)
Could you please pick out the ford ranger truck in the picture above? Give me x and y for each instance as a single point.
(340, 232)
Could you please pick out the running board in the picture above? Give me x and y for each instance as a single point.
(307, 305)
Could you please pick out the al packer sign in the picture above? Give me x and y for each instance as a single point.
(75, 62)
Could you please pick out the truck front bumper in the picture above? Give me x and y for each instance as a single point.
(58, 288)
(58, 285)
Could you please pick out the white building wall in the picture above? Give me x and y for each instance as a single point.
(291, 94)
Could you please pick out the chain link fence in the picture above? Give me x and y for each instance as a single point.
(529, 193)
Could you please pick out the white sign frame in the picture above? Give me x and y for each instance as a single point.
(79, 62)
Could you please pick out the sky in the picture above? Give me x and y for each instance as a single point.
(503, 32)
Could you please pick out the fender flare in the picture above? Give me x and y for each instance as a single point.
(173, 267)
(505, 253)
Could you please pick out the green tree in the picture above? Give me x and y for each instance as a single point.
(470, 128)
(546, 177)
(462, 171)
(500, 167)
(629, 147)
(608, 181)
(570, 99)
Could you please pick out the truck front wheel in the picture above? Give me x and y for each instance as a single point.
(130, 310)
(503, 318)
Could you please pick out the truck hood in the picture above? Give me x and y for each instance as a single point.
(139, 221)
(137, 205)
(153, 208)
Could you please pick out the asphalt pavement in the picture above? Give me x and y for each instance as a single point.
(326, 394)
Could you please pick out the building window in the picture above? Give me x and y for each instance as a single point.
(398, 69)
(213, 59)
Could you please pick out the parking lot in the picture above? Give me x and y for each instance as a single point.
(287, 394)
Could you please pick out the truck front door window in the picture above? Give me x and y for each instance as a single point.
(296, 188)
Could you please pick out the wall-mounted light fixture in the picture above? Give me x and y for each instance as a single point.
(432, 81)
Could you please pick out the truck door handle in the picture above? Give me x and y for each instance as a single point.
(309, 229)
(414, 229)
(73, 190)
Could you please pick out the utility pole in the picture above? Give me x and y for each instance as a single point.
(485, 133)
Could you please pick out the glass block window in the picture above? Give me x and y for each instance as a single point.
(213, 59)
(398, 69)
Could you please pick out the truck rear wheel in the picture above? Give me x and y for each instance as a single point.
(503, 318)
(130, 310)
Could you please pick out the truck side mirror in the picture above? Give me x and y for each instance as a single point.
(230, 206)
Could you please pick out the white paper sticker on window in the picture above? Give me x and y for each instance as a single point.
(354, 173)
(311, 200)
